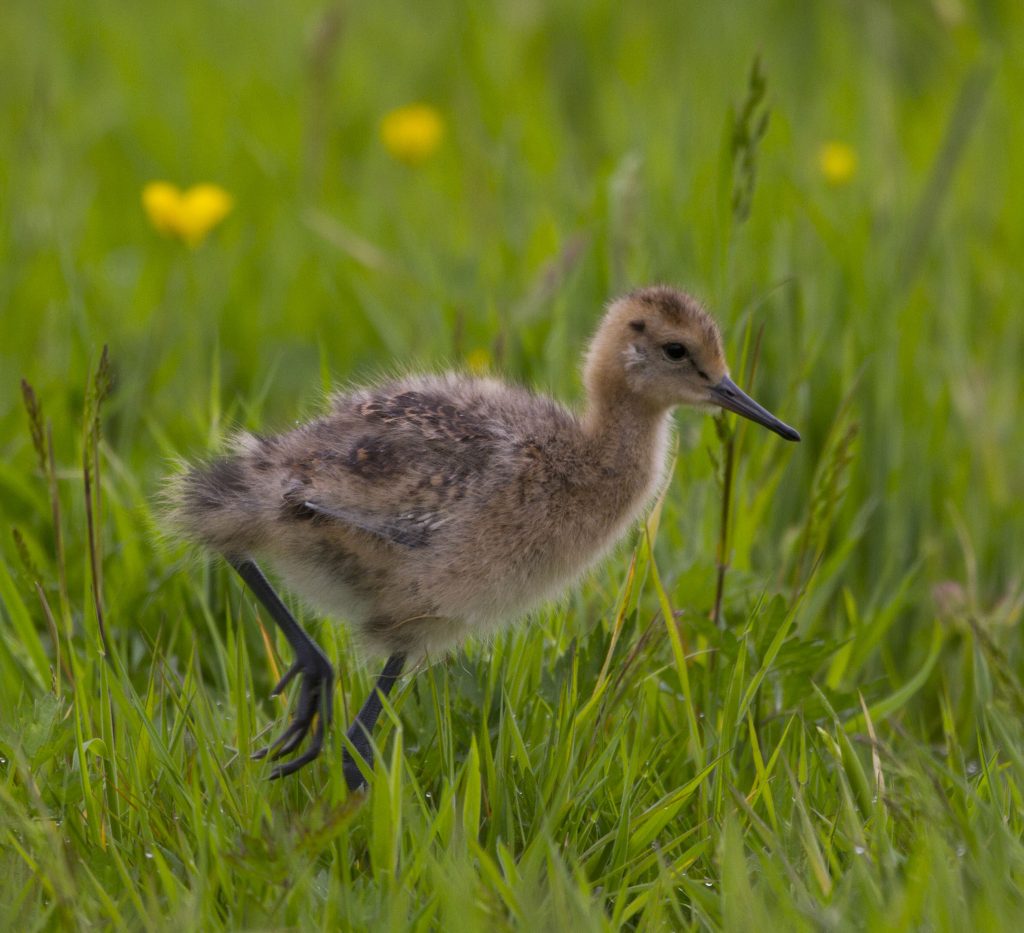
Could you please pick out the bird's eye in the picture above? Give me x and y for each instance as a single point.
(675, 351)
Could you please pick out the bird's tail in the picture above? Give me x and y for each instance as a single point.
(217, 503)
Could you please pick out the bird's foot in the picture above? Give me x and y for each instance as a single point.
(314, 703)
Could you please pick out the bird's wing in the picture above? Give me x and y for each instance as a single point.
(411, 529)
(392, 465)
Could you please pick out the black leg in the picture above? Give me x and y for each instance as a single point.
(359, 732)
(310, 662)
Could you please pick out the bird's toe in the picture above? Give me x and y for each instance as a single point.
(314, 705)
(315, 746)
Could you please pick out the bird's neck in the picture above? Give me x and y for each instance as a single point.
(627, 439)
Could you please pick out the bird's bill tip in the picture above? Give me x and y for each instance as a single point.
(731, 397)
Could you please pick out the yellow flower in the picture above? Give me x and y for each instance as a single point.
(188, 215)
(412, 133)
(478, 360)
(837, 162)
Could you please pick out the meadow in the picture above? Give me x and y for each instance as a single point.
(791, 700)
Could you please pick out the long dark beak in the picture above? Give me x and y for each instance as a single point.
(731, 397)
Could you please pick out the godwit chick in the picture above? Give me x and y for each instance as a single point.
(431, 508)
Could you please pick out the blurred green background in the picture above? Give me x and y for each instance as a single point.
(587, 147)
(579, 128)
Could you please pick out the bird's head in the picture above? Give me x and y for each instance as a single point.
(661, 347)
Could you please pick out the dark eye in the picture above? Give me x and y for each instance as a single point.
(675, 351)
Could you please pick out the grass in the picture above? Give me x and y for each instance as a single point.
(844, 750)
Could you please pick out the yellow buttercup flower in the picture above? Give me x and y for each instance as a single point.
(412, 133)
(160, 200)
(837, 162)
(188, 215)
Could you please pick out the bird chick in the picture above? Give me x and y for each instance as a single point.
(431, 508)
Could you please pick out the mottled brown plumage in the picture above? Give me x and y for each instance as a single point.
(431, 508)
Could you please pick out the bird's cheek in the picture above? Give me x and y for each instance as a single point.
(689, 394)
